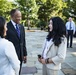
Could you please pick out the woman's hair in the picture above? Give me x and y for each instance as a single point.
(2, 23)
(59, 30)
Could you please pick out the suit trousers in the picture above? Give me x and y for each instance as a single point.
(47, 71)
(20, 68)
(69, 38)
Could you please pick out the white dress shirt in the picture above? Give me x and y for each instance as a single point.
(72, 26)
(14, 24)
(9, 63)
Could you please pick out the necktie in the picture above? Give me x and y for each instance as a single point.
(18, 30)
(70, 25)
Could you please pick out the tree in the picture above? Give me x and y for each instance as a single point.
(70, 10)
(41, 10)
(50, 8)
(5, 8)
(29, 10)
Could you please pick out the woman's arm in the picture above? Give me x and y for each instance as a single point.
(12, 57)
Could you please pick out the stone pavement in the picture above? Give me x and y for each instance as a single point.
(34, 41)
(69, 65)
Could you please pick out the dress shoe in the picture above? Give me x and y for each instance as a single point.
(71, 47)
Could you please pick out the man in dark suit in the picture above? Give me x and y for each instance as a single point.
(16, 34)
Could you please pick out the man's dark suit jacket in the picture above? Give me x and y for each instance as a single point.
(19, 43)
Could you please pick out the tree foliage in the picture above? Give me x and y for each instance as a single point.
(72, 8)
(28, 7)
(40, 11)
(5, 8)
(70, 11)
(54, 7)
(50, 9)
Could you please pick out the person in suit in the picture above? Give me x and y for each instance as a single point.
(54, 47)
(8, 56)
(70, 26)
(16, 34)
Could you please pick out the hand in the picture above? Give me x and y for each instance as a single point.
(41, 60)
(25, 59)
